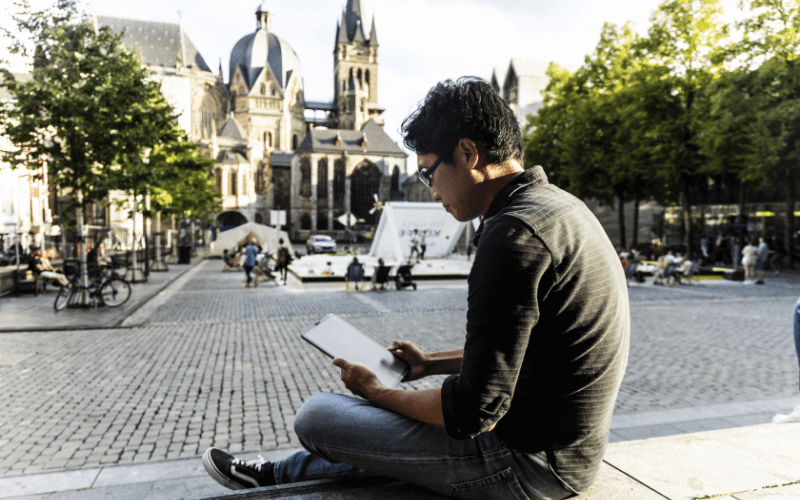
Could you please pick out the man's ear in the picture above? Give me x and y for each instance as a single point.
(469, 149)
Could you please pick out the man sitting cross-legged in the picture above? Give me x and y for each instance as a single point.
(527, 408)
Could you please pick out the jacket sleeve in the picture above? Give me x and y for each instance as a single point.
(512, 269)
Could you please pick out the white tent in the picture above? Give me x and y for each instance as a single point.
(397, 224)
(266, 236)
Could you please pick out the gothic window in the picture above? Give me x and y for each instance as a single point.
(260, 179)
(208, 117)
(360, 80)
(263, 89)
(322, 220)
(305, 221)
(351, 78)
(232, 182)
(366, 80)
(294, 142)
(322, 178)
(338, 181)
(396, 179)
(268, 139)
(218, 178)
(305, 178)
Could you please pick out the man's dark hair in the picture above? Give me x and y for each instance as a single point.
(467, 108)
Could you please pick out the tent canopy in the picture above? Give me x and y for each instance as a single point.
(266, 236)
(400, 219)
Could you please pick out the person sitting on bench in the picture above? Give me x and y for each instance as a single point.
(41, 266)
(526, 410)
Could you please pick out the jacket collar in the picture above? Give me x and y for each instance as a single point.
(532, 177)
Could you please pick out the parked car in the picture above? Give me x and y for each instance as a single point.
(320, 244)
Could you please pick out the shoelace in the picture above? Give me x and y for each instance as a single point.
(256, 463)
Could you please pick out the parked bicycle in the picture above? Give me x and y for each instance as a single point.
(109, 290)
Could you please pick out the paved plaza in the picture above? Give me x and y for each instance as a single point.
(209, 363)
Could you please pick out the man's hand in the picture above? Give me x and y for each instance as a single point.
(358, 379)
(411, 354)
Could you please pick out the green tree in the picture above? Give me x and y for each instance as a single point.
(683, 39)
(87, 109)
(771, 40)
(592, 133)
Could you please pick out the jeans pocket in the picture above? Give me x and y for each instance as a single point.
(501, 486)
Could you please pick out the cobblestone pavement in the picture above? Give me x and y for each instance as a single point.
(218, 364)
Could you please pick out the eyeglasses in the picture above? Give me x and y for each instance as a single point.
(426, 174)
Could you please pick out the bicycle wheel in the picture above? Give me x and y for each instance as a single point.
(115, 292)
(62, 297)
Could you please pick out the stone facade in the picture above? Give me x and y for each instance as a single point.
(268, 153)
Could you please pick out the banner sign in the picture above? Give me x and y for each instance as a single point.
(398, 222)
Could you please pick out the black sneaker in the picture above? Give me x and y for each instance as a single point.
(237, 474)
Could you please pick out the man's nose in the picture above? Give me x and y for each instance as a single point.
(434, 195)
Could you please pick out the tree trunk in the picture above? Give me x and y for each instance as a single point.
(789, 228)
(635, 235)
(621, 215)
(687, 219)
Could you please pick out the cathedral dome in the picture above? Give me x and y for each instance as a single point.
(258, 50)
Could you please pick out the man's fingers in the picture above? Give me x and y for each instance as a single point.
(340, 362)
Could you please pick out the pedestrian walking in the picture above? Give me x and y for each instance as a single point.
(283, 258)
(414, 245)
(250, 254)
(749, 259)
(762, 257)
(422, 245)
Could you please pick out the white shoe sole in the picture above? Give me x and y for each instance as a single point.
(209, 466)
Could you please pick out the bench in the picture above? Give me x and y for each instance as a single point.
(28, 281)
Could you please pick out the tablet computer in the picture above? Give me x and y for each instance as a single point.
(339, 339)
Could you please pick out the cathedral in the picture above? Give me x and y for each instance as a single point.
(274, 150)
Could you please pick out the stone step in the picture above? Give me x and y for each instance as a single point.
(611, 484)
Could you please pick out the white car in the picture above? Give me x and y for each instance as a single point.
(320, 244)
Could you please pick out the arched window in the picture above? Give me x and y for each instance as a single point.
(322, 178)
(268, 139)
(260, 179)
(351, 78)
(294, 142)
(338, 181)
(263, 89)
(208, 117)
(305, 221)
(232, 182)
(322, 220)
(360, 79)
(366, 81)
(305, 178)
(218, 179)
(396, 179)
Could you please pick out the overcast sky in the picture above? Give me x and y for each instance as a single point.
(421, 41)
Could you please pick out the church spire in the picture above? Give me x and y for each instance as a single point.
(342, 31)
(373, 36)
(354, 19)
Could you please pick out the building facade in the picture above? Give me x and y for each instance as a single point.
(274, 150)
(25, 198)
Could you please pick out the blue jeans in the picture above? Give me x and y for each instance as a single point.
(797, 329)
(346, 435)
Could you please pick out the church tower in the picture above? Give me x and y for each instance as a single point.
(355, 69)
